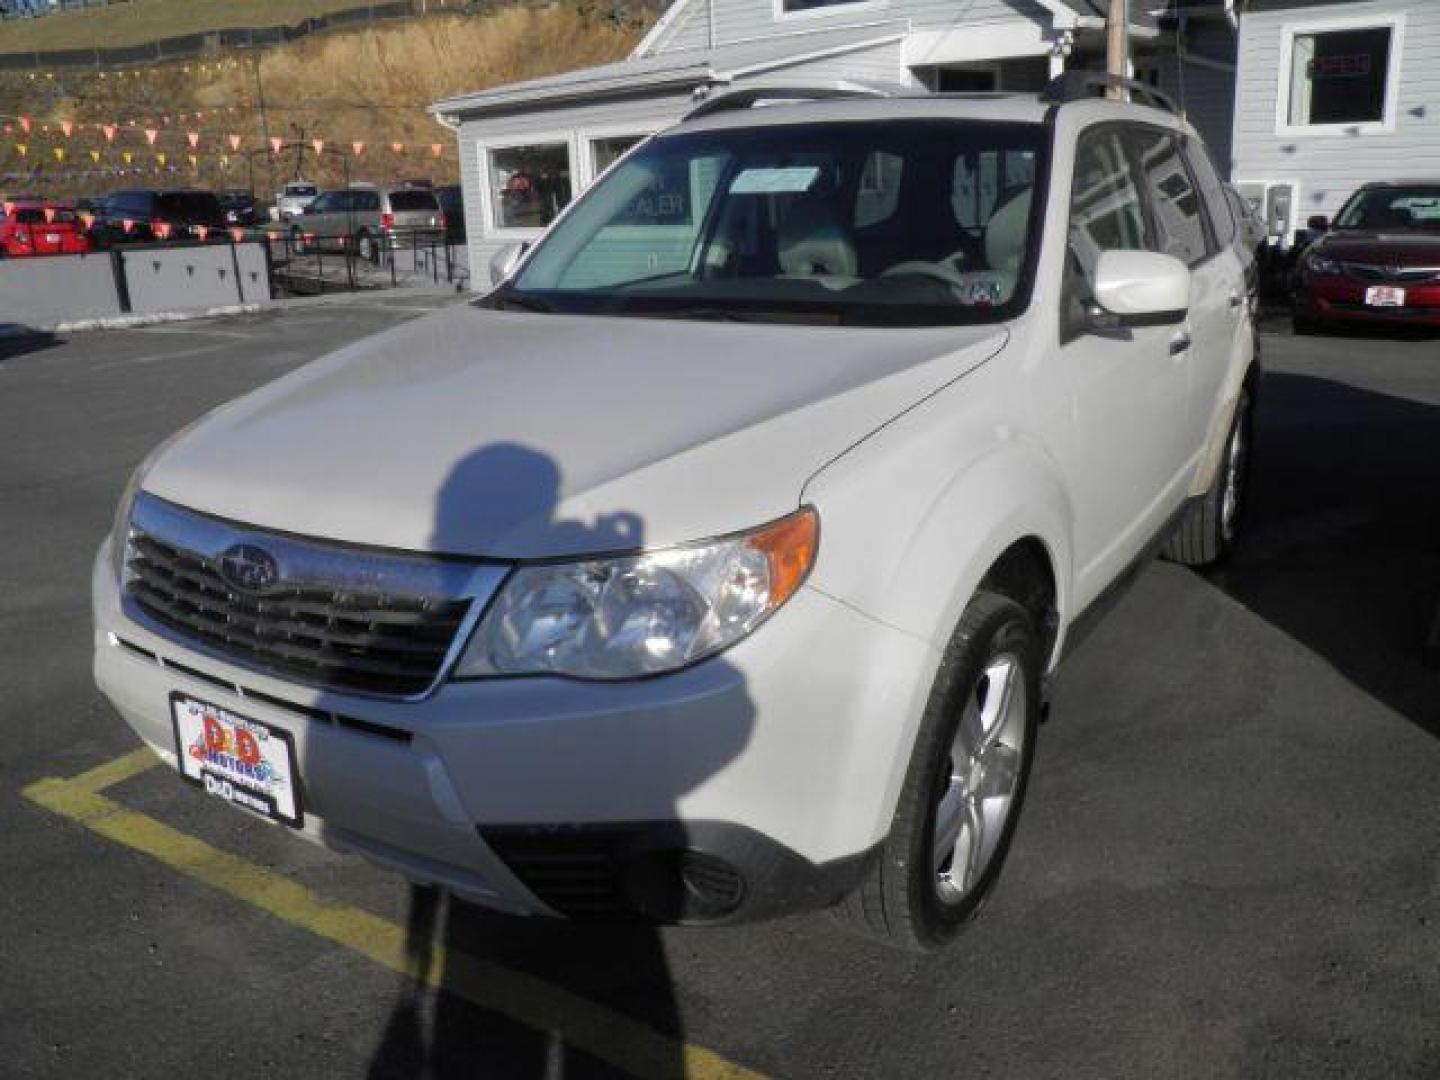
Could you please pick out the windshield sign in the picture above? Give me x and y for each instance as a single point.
(917, 222)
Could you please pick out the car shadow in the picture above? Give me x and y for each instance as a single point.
(1342, 546)
(446, 1020)
(18, 340)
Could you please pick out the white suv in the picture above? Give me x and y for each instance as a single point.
(714, 564)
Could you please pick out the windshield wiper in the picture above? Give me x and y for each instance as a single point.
(740, 315)
(511, 302)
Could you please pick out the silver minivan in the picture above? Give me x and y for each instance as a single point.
(369, 220)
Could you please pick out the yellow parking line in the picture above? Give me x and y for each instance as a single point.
(580, 1023)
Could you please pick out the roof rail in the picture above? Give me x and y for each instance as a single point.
(750, 96)
(1079, 85)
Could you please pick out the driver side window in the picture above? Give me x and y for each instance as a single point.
(1106, 214)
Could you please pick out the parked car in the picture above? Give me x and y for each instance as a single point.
(1378, 264)
(152, 215)
(292, 199)
(452, 205)
(238, 206)
(717, 562)
(369, 220)
(40, 228)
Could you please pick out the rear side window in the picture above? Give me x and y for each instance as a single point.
(1173, 196)
(401, 201)
(1216, 201)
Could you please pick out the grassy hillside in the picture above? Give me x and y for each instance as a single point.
(146, 20)
(370, 86)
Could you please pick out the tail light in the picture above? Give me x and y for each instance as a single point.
(444, 221)
(387, 221)
(161, 229)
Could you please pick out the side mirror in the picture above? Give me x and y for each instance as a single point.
(504, 261)
(1317, 223)
(1139, 288)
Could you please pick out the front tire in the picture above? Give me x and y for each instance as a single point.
(964, 787)
(1211, 525)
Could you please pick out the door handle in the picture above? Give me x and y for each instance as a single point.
(1180, 343)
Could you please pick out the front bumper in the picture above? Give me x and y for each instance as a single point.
(754, 783)
(1339, 299)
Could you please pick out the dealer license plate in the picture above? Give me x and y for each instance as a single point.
(1384, 296)
(245, 762)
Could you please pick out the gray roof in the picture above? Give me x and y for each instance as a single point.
(678, 70)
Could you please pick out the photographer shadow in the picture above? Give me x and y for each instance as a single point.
(499, 996)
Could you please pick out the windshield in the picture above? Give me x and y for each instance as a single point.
(1411, 207)
(911, 222)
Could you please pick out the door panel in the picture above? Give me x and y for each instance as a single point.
(1127, 438)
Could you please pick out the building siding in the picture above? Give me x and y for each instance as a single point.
(745, 20)
(1327, 167)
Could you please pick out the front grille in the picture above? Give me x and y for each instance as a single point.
(1399, 275)
(335, 617)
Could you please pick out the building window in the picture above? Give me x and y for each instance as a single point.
(1339, 76)
(791, 7)
(529, 185)
(605, 152)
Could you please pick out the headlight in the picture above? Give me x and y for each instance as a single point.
(622, 618)
(120, 527)
(1319, 264)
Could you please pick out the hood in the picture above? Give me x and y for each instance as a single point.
(1381, 248)
(518, 435)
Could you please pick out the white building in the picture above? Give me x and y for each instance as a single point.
(526, 149)
(1331, 95)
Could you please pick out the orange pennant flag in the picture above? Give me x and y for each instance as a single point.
(67, 126)
(193, 138)
(319, 145)
(49, 215)
(95, 156)
(109, 130)
(161, 229)
(398, 147)
(127, 225)
(237, 235)
(234, 142)
(151, 135)
(275, 143)
(436, 148)
(201, 232)
(358, 147)
(25, 124)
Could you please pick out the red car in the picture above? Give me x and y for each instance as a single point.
(1378, 263)
(35, 228)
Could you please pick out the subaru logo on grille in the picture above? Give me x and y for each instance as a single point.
(249, 567)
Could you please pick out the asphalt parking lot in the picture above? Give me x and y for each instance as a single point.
(1227, 865)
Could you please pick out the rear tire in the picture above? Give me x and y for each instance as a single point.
(1211, 525)
(367, 249)
(964, 786)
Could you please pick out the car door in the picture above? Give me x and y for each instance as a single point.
(1186, 230)
(1126, 389)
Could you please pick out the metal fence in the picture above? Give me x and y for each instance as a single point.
(306, 264)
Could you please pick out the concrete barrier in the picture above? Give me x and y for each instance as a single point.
(45, 292)
(42, 292)
(173, 279)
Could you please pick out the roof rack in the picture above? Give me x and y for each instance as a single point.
(750, 96)
(1080, 85)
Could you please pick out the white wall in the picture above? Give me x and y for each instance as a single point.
(1326, 166)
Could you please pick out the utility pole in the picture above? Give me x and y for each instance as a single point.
(1117, 46)
(264, 120)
